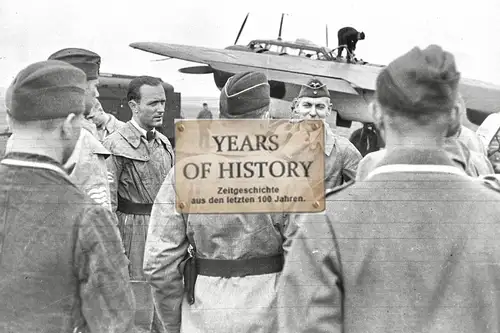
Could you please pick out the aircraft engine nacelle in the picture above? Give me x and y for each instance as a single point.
(278, 89)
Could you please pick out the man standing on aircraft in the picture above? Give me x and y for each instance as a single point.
(415, 247)
(63, 268)
(88, 163)
(349, 37)
(341, 157)
(106, 123)
(141, 158)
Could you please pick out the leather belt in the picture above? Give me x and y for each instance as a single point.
(239, 268)
(128, 207)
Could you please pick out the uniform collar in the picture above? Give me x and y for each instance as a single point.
(109, 125)
(416, 160)
(329, 140)
(34, 161)
(132, 134)
(142, 130)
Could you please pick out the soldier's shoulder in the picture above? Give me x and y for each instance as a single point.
(338, 189)
(344, 143)
(164, 139)
(115, 138)
(94, 145)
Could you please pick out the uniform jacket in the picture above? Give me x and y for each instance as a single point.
(109, 127)
(4, 139)
(471, 140)
(138, 169)
(341, 156)
(238, 304)
(204, 114)
(341, 161)
(414, 248)
(61, 259)
(89, 170)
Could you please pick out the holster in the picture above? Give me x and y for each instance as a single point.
(190, 275)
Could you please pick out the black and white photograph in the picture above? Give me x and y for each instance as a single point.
(249, 167)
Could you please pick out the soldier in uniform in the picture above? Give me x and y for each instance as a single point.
(466, 135)
(88, 164)
(238, 257)
(414, 248)
(105, 123)
(462, 145)
(204, 126)
(341, 157)
(62, 263)
(141, 159)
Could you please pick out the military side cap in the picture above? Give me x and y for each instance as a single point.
(315, 89)
(47, 90)
(86, 60)
(420, 80)
(245, 95)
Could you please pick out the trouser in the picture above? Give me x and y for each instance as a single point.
(133, 230)
(204, 138)
(147, 319)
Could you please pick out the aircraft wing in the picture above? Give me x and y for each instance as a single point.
(340, 77)
(290, 69)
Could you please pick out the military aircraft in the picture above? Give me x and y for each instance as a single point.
(288, 65)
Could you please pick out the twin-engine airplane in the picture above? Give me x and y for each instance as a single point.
(288, 65)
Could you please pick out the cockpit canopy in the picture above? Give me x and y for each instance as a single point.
(301, 48)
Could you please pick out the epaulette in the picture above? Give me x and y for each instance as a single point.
(491, 182)
(338, 188)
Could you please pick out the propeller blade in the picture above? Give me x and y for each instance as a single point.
(281, 26)
(241, 29)
(197, 70)
(327, 35)
(167, 58)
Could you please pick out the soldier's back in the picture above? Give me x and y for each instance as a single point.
(40, 218)
(418, 252)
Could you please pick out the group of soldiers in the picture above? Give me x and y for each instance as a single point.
(91, 240)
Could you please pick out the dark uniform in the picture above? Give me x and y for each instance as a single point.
(62, 264)
(349, 37)
(412, 248)
(204, 127)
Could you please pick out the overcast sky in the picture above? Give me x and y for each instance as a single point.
(32, 30)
